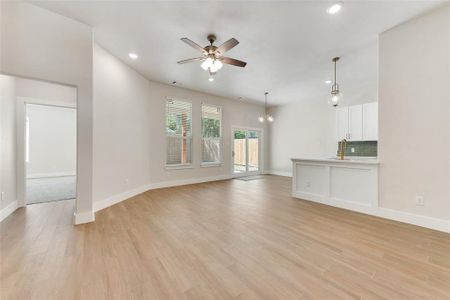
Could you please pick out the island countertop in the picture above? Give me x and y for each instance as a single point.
(347, 160)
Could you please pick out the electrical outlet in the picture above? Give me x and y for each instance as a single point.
(419, 201)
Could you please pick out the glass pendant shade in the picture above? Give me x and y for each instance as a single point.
(212, 64)
(261, 119)
(335, 99)
(270, 118)
(207, 64)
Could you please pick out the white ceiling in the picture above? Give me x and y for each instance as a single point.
(288, 45)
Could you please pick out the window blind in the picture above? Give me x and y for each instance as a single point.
(178, 132)
(211, 134)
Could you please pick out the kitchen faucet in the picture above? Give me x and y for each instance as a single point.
(342, 147)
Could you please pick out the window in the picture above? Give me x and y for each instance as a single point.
(178, 133)
(211, 134)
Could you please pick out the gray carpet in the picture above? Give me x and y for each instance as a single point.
(50, 189)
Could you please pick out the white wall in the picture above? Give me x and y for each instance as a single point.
(52, 141)
(414, 115)
(8, 142)
(37, 43)
(129, 129)
(300, 130)
(48, 92)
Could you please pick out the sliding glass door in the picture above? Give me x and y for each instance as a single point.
(246, 152)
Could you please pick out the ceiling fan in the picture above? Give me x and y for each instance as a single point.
(213, 58)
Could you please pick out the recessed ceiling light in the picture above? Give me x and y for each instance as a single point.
(335, 8)
(328, 81)
(133, 55)
(211, 79)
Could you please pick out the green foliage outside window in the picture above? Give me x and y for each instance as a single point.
(210, 128)
(174, 123)
(239, 134)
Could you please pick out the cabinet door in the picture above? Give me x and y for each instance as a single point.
(355, 113)
(342, 123)
(370, 125)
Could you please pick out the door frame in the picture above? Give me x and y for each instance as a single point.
(260, 151)
(20, 141)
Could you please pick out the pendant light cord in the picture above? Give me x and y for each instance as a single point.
(265, 102)
(335, 76)
(334, 72)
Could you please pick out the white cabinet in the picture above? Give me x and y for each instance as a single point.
(370, 121)
(357, 122)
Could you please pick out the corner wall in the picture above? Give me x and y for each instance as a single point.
(8, 202)
(32, 40)
(414, 115)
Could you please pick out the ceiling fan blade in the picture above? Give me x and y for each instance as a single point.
(234, 62)
(231, 43)
(193, 45)
(189, 60)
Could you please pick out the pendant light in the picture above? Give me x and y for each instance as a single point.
(336, 95)
(268, 117)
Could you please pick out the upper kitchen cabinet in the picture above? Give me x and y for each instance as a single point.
(342, 123)
(370, 121)
(357, 122)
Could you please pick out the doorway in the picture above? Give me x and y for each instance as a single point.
(50, 153)
(246, 152)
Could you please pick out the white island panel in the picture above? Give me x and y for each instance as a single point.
(347, 184)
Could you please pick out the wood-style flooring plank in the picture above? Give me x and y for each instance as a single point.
(227, 239)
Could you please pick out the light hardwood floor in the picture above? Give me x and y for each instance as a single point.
(220, 240)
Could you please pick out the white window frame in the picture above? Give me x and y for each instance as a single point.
(185, 165)
(220, 162)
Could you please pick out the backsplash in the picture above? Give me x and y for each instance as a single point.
(361, 148)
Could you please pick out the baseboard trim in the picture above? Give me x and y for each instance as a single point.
(419, 220)
(9, 209)
(280, 173)
(46, 175)
(102, 204)
(382, 212)
(83, 218)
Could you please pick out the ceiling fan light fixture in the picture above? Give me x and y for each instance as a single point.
(218, 64)
(213, 59)
(207, 63)
(211, 79)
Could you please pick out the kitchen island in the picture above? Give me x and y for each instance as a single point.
(351, 183)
